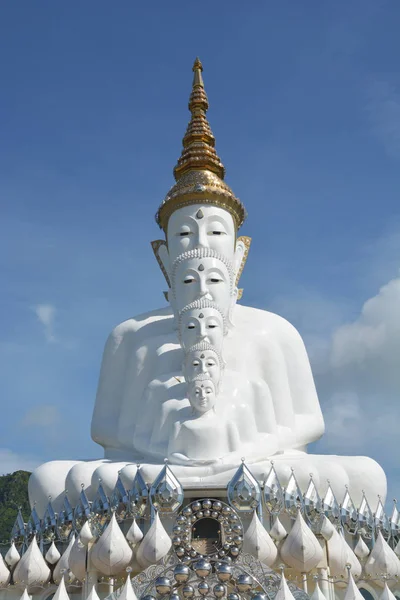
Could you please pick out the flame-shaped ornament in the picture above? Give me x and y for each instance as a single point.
(244, 492)
(166, 492)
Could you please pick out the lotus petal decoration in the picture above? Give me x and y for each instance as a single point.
(4, 573)
(361, 549)
(352, 591)
(12, 556)
(62, 567)
(127, 592)
(61, 592)
(52, 555)
(339, 552)
(301, 550)
(77, 559)
(283, 592)
(387, 594)
(258, 542)
(382, 560)
(111, 554)
(32, 569)
(134, 534)
(155, 544)
(93, 595)
(317, 593)
(86, 536)
(278, 532)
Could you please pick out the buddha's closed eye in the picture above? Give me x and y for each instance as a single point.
(189, 279)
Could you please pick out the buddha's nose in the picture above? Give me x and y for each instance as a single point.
(203, 368)
(202, 238)
(203, 287)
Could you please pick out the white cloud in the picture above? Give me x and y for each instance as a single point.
(46, 315)
(357, 371)
(11, 461)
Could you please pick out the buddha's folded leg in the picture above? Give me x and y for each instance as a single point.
(46, 481)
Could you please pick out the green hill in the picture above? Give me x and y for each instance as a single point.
(13, 495)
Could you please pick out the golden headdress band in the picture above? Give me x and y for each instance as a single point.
(199, 172)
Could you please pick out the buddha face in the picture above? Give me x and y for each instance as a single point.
(202, 395)
(201, 225)
(201, 325)
(196, 278)
(205, 362)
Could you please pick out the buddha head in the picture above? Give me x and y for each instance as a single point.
(200, 211)
(203, 358)
(202, 394)
(203, 273)
(201, 321)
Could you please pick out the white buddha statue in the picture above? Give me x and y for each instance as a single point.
(265, 406)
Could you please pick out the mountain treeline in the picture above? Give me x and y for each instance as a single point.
(13, 495)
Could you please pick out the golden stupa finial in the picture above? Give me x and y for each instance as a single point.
(199, 172)
(198, 151)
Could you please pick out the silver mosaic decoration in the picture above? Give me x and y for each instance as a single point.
(33, 525)
(119, 501)
(313, 506)
(382, 522)
(138, 495)
(100, 511)
(366, 521)
(244, 492)
(82, 511)
(293, 497)
(49, 528)
(189, 544)
(223, 580)
(395, 522)
(18, 532)
(330, 506)
(65, 520)
(166, 492)
(273, 493)
(348, 514)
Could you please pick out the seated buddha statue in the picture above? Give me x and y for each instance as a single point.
(261, 395)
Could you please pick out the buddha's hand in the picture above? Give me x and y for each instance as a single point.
(181, 459)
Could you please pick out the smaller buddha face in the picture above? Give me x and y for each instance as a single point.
(204, 362)
(202, 395)
(202, 325)
(197, 278)
(201, 225)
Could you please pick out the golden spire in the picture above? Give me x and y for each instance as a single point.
(199, 143)
(199, 172)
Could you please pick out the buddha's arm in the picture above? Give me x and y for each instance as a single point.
(110, 389)
(308, 415)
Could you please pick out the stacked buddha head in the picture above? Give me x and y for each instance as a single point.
(201, 258)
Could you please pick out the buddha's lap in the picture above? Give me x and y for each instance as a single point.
(358, 473)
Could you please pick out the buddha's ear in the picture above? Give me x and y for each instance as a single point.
(241, 252)
(160, 250)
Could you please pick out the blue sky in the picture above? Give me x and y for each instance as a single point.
(305, 107)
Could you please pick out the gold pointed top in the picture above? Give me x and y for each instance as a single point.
(198, 151)
(199, 172)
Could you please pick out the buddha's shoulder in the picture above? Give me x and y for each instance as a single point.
(264, 322)
(149, 324)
